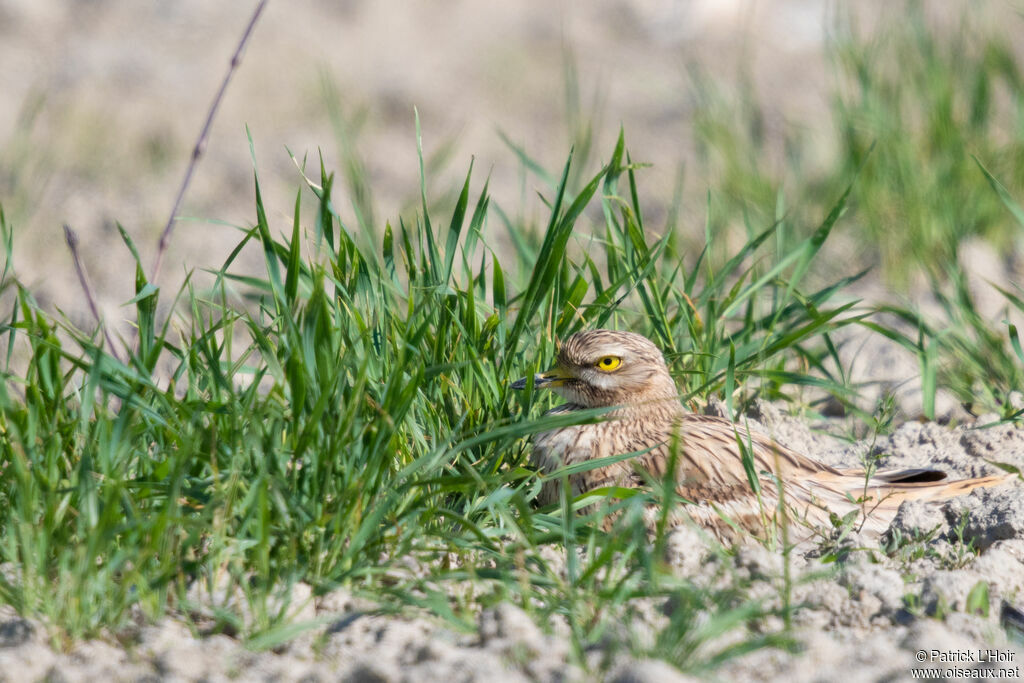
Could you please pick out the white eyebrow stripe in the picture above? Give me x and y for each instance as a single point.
(617, 351)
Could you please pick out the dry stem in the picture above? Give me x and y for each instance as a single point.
(72, 239)
(200, 146)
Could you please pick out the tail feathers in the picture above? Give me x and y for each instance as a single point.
(937, 490)
(891, 496)
(886, 491)
(914, 484)
(909, 476)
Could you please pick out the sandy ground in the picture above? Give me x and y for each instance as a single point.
(101, 104)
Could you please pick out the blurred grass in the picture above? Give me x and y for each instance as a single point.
(929, 99)
(930, 109)
(926, 95)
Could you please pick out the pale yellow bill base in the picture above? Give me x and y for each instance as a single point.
(552, 378)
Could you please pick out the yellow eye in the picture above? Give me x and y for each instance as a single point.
(609, 363)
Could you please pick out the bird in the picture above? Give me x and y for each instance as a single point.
(626, 374)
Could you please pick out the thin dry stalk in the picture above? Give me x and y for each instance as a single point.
(72, 239)
(200, 146)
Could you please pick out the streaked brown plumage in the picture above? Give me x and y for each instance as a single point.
(605, 368)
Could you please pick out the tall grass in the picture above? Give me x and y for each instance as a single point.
(924, 88)
(981, 361)
(350, 409)
(928, 109)
(928, 96)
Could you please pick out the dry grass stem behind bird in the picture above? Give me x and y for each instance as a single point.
(627, 372)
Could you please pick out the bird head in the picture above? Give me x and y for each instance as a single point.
(600, 368)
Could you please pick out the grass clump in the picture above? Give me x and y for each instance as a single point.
(909, 103)
(960, 349)
(345, 420)
(928, 96)
(927, 110)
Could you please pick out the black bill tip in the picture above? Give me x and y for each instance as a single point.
(539, 380)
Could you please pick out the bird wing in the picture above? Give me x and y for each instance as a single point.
(711, 469)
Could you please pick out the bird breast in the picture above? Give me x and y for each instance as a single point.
(568, 446)
(579, 443)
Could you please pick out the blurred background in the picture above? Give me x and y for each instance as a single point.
(746, 111)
